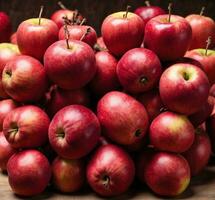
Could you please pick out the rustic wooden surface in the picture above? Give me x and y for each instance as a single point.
(96, 10)
(201, 188)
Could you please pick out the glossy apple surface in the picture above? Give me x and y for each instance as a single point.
(13, 38)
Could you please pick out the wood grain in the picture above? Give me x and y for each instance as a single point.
(201, 188)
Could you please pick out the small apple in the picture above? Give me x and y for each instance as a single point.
(167, 174)
(6, 106)
(148, 12)
(35, 35)
(24, 79)
(168, 36)
(26, 127)
(123, 119)
(199, 153)
(100, 45)
(13, 38)
(68, 175)
(139, 70)
(184, 88)
(6, 151)
(122, 31)
(207, 60)
(70, 64)
(202, 28)
(171, 132)
(106, 78)
(5, 27)
(7, 52)
(110, 171)
(74, 131)
(29, 172)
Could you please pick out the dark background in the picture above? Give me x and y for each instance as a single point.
(96, 10)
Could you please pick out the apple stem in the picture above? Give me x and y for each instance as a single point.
(202, 11)
(40, 14)
(208, 43)
(143, 80)
(97, 47)
(82, 22)
(137, 133)
(85, 34)
(106, 180)
(66, 35)
(170, 11)
(75, 16)
(126, 13)
(61, 5)
(147, 3)
(13, 131)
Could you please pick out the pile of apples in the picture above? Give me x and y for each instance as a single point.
(136, 104)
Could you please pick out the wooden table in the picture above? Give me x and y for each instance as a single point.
(201, 188)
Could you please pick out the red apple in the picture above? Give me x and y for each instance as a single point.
(59, 15)
(35, 36)
(123, 119)
(60, 98)
(212, 90)
(29, 173)
(122, 31)
(100, 45)
(203, 113)
(167, 174)
(152, 102)
(6, 151)
(13, 38)
(184, 88)
(6, 106)
(171, 132)
(24, 79)
(68, 175)
(207, 59)
(168, 39)
(70, 67)
(199, 153)
(74, 131)
(111, 171)
(26, 127)
(5, 27)
(7, 52)
(106, 78)
(202, 28)
(148, 12)
(76, 32)
(139, 70)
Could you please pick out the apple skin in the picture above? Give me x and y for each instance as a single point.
(110, 171)
(29, 172)
(77, 31)
(212, 90)
(6, 151)
(169, 40)
(58, 16)
(70, 68)
(60, 98)
(5, 27)
(192, 88)
(106, 79)
(171, 132)
(7, 52)
(68, 175)
(207, 61)
(116, 30)
(31, 36)
(139, 70)
(149, 12)
(6, 106)
(199, 153)
(203, 113)
(26, 127)
(152, 102)
(24, 79)
(202, 28)
(13, 38)
(123, 119)
(74, 131)
(167, 174)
